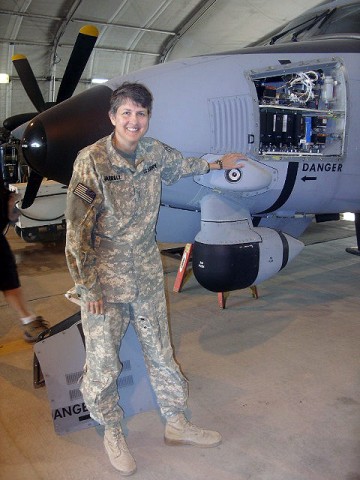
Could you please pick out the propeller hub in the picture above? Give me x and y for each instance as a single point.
(34, 145)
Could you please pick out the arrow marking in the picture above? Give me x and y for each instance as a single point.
(304, 179)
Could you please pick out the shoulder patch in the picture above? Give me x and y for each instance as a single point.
(168, 148)
(85, 193)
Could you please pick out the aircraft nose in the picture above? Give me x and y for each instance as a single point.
(34, 145)
(53, 138)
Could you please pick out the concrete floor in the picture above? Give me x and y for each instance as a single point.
(277, 376)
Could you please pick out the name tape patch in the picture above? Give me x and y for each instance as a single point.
(149, 169)
(113, 178)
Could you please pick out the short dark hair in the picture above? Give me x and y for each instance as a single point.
(136, 92)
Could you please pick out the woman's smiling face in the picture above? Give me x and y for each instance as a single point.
(131, 122)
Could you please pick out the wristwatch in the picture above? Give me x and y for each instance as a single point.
(219, 162)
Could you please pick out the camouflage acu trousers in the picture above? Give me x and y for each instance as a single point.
(103, 334)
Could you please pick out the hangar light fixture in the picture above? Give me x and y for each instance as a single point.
(348, 216)
(4, 78)
(99, 80)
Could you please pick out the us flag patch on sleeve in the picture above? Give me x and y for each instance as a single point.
(85, 193)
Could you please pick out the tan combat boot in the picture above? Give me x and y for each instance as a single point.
(179, 431)
(117, 449)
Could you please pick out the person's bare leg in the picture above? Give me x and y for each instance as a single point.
(32, 325)
(15, 299)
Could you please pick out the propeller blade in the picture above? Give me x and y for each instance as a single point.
(29, 82)
(32, 189)
(19, 131)
(83, 47)
(15, 121)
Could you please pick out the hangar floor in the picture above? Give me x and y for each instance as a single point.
(278, 376)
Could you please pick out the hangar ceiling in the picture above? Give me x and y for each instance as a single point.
(133, 34)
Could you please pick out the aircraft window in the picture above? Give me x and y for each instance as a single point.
(304, 25)
(345, 19)
(322, 19)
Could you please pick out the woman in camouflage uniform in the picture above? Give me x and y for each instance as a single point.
(112, 209)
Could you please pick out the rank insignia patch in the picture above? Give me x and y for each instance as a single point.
(85, 193)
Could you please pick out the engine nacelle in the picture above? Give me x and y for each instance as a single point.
(230, 254)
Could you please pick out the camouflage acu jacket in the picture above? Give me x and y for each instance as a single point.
(112, 209)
